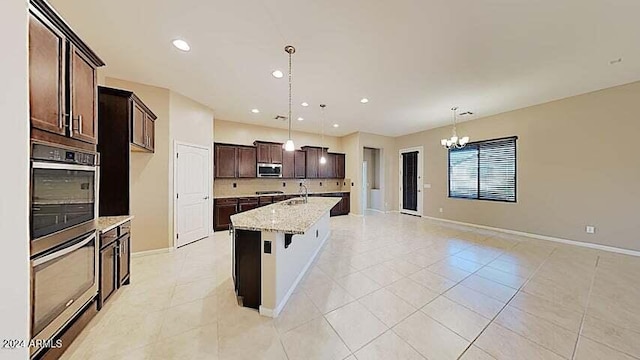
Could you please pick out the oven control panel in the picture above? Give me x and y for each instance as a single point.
(56, 154)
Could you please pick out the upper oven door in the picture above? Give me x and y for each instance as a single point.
(269, 170)
(63, 197)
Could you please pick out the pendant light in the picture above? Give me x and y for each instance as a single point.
(289, 145)
(323, 159)
(454, 142)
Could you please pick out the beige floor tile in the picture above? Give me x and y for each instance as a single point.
(402, 266)
(591, 350)
(314, 278)
(185, 317)
(358, 285)
(299, 310)
(521, 269)
(314, 340)
(355, 325)
(253, 342)
(337, 269)
(612, 335)
(456, 317)
(412, 292)
(550, 311)
(388, 346)
(462, 264)
(553, 337)
(420, 259)
(433, 340)
(479, 254)
(194, 291)
(448, 271)
(387, 307)
(328, 297)
(382, 274)
(197, 343)
(504, 344)
(490, 288)
(478, 302)
(501, 277)
(475, 353)
(432, 281)
(570, 295)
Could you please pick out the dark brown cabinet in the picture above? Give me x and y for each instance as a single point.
(312, 162)
(115, 260)
(62, 81)
(222, 211)
(142, 126)
(246, 204)
(247, 167)
(294, 164)
(300, 163)
(235, 161)
(327, 170)
(339, 163)
(268, 153)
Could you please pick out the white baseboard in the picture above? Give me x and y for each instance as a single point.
(541, 237)
(151, 252)
(356, 215)
(378, 211)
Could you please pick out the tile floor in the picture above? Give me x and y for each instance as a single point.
(384, 287)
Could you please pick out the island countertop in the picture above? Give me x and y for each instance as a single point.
(290, 219)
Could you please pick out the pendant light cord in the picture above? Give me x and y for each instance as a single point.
(290, 76)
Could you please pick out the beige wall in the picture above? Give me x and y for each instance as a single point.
(14, 208)
(246, 134)
(577, 165)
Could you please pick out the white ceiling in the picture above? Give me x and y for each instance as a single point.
(414, 59)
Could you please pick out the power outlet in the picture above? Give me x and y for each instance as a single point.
(441, 210)
(590, 229)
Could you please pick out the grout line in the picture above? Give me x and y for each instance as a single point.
(586, 307)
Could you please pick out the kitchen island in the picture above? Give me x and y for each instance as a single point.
(273, 246)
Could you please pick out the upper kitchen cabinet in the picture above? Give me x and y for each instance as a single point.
(234, 161)
(247, 166)
(268, 152)
(312, 155)
(62, 81)
(293, 164)
(339, 166)
(333, 168)
(300, 163)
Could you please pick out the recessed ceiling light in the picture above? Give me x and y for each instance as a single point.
(181, 45)
(304, 104)
(277, 74)
(364, 100)
(335, 125)
(255, 111)
(300, 119)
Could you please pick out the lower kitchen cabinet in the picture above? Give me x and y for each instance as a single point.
(222, 211)
(115, 260)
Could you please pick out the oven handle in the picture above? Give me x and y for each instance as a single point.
(64, 252)
(58, 166)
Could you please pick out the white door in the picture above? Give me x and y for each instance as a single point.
(192, 193)
(365, 187)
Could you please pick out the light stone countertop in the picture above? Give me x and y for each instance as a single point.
(278, 194)
(290, 219)
(106, 223)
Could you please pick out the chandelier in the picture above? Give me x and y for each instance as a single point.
(289, 145)
(454, 142)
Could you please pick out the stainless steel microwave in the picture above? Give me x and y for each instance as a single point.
(270, 170)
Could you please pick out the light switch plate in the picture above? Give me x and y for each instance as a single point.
(590, 229)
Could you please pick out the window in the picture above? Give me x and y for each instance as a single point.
(484, 170)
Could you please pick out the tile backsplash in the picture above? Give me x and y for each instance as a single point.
(246, 187)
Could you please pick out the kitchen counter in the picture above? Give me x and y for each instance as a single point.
(288, 219)
(279, 194)
(106, 223)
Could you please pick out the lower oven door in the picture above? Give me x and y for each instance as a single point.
(63, 279)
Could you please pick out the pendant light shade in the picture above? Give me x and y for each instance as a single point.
(289, 145)
(323, 160)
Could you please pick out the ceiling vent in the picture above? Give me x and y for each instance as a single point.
(466, 113)
(280, 117)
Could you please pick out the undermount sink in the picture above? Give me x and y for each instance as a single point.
(294, 201)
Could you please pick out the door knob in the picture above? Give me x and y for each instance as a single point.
(206, 198)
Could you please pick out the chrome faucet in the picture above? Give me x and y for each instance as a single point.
(306, 192)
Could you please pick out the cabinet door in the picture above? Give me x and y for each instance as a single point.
(288, 164)
(137, 134)
(266, 200)
(339, 166)
(84, 123)
(331, 166)
(108, 272)
(149, 132)
(246, 204)
(247, 167)
(46, 76)
(124, 255)
(276, 153)
(312, 163)
(263, 153)
(346, 204)
(300, 164)
(222, 213)
(225, 161)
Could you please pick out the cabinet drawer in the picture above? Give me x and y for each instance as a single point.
(232, 201)
(108, 237)
(125, 228)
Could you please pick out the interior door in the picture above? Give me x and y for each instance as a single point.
(192, 197)
(411, 182)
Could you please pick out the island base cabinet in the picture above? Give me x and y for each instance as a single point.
(247, 267)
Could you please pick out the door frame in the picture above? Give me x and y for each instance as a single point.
(420, 150)
(209, 149)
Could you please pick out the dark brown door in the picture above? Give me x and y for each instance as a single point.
(410, 181)
(150, 132)
(264, 153)
(46, 77)
(246, 204)
(276, 153)
(325, 170)
(83, 96)
(108, 275)
(312, 163)
(138, 135)
(300, 164)
(225, 161)
(339, 166)
(266, 200)
(223, 209)
(247, 167)
(288, 164)
(123, 259)
(331, 166)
